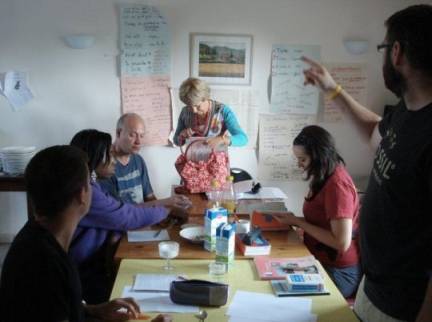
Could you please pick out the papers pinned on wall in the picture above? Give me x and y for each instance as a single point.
(144, 41)
(288, 92)
(145, 67)
(352, 78)
(149, 97)
(276, 134)
(14, 86)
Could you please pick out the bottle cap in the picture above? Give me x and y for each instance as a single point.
(215, 183)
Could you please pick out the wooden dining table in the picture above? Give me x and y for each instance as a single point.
(240, 277)
(143, 257)
(283, 243)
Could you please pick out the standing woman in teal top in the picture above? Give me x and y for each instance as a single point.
(204, 117)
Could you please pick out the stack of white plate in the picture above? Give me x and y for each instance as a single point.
(15, 158)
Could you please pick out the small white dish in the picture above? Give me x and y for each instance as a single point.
(194, 234)
(189, 225)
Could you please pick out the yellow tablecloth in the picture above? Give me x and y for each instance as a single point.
(242, 276)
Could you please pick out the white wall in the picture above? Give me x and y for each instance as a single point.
(77, 89)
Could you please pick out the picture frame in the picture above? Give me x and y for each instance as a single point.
(221, 59)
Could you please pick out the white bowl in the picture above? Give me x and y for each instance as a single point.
(189, 225)
(194, 234)
(18, 149)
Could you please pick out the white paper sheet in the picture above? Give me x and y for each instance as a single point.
(250, 306)
(288, 93)
(264, 193)
(145, 67)
(148, 96)
(276, 134)
(153, 282)
(144, 40)
(157, 302)
(146, 235)
(15, 89)
(353, 79)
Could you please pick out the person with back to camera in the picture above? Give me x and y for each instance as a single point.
(39, 282)
(330, 209)
(106, 220)
(203, 117)
(395, 217)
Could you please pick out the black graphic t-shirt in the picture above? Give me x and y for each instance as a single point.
(396, 215)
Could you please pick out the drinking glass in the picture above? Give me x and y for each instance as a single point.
(168, 250)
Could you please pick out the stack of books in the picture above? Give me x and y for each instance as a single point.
(291, 276)
(270, 268)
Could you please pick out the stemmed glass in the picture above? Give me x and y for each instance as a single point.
(168, 250)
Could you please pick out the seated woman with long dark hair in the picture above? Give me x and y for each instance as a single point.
(331, 208)
(106, 220)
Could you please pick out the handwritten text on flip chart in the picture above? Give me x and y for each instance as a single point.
(276, 134)
(288, 94)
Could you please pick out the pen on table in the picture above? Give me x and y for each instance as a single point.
(157, 233)
(170, 225)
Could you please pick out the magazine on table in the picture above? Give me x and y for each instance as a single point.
(269, 268)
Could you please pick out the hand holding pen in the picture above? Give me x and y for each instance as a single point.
(169, 224)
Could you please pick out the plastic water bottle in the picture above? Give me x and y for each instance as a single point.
(214, 216)
(215, 194)
(229, 199)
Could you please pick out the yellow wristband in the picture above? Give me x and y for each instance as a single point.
(336, 92)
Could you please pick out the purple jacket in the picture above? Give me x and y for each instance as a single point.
(107, 215)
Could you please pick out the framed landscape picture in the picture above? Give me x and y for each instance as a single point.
(221, 59)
